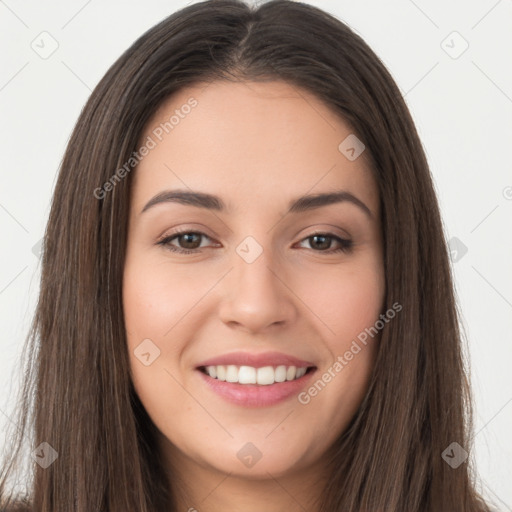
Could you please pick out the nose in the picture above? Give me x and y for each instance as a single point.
(256, 296)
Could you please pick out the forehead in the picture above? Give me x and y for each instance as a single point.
(267, 141)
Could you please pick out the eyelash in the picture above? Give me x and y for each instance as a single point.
(346, 245)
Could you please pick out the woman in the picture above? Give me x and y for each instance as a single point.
(246, 300)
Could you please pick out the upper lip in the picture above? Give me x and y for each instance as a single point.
(256, 360)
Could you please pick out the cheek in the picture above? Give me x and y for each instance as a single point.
(151, 311)
(346, 301)
(154, 299)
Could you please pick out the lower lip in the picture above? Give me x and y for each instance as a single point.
(252, 395)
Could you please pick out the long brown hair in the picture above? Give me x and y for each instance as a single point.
(77, 395)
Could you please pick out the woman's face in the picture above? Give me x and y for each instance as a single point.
(256, 280)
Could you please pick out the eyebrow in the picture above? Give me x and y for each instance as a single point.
(297, 205)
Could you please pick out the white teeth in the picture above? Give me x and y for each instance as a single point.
(231, 374)
(280, 374)
(221, 372)
(263, 376)
(300, 372)
(247, 375)
(290, 373)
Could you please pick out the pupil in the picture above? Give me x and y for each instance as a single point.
(323, 245)
(187, 239)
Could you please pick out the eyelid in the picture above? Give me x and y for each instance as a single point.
(185, 229)
(324, 229)
(318, 231)
(179, 232)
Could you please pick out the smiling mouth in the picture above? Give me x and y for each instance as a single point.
(263, 376)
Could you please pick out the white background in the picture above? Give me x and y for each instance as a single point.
(462, 107)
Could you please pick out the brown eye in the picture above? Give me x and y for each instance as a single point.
(187, 241)
(321, 242)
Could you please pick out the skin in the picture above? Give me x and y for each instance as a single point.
(257, 146)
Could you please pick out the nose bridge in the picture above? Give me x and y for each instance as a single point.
(256, 296)
(254, 270)
(252, 267)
